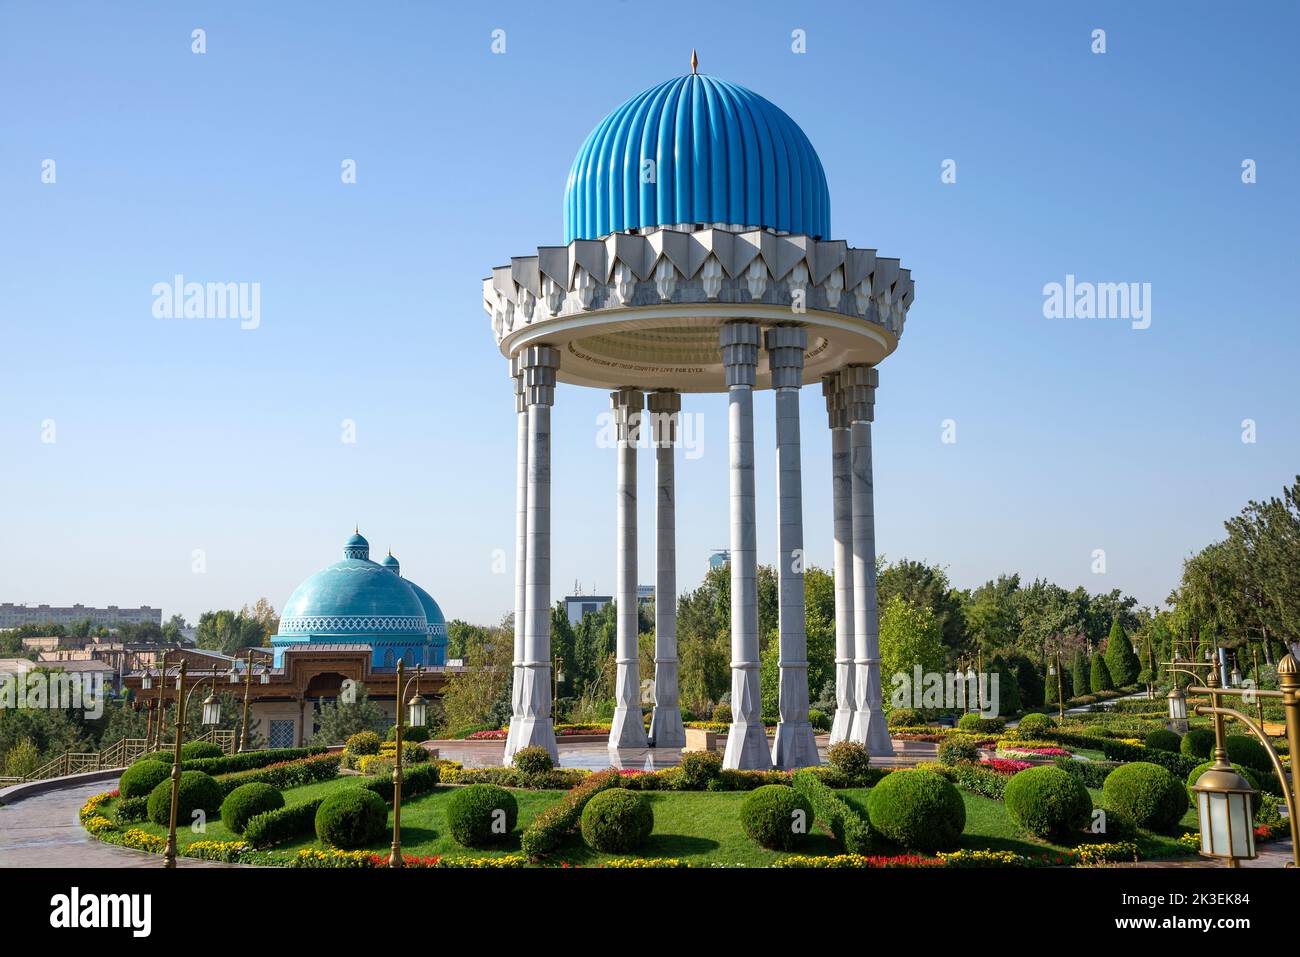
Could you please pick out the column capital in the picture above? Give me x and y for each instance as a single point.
(837, 413)
(537, 364)
(517, 374)
(627, 403)
(665, 408)
(785, 351)
(740, 341)
(858, 383)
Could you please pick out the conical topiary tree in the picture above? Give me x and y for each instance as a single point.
(1079, 672)
(1121, 660)
(1099, 679)
(1049, 687)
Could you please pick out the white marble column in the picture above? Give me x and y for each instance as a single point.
(627, 729)
(538, 364)
(868, 728)
(746, 741)
(842, 518)
(521, 551)
(666, 729)
(795, 745)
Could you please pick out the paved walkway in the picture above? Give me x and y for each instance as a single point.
(43, 831)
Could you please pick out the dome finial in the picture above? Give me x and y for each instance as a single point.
(695, 62)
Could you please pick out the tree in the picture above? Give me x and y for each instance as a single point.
(228, 631)
(264, 613)
(338, 720)
(1121, 661)
(926, 586)
(173, 630)
(480, 696)
(991, 614)
(22, 759)
(1029, 682)
(1050, 695)
(1080, 673)
(910, 635)
(1099, 678)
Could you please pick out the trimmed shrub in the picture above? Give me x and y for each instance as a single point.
(1197, 743)
(847, 823)
(551, 827)
(920, 810)
(416, 733)
(197, 792)
(196, 750)
(722, 713)
(533, 760)
(480, 815)
(1149, 794)
(1032, 725)
(699, 769)
(131, 810)
(971, 721)
(904, 718)
(776, 816)
(248, 760)
(352, 818)
(851, 760)
(1048, 802)
(275, 827)
(287, 774)
(820, 721)
(957, 749)
(417, 780)
(1164, 740)
(142, 777)
(617, 821)
(1116, 826)
(363, 742)
(246, 802)
(1246, 750)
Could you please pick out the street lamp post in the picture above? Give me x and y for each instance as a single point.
(419, 715)
(263, 678)
(169, 854)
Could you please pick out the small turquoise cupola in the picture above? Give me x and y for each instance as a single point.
(356, 546)
(696, 149)
(390, 562)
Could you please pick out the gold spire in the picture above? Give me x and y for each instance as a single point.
(695, 62)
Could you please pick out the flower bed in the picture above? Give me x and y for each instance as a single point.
(1007, 766)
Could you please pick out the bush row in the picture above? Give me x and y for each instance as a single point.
(285, 775)
(556, 823)
(850, 828)
(247, 760)
(276, 827)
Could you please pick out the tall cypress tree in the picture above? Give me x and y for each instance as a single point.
(1079, 673)
(1099, 679)
(1121, 660)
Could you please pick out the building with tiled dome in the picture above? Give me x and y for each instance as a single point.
(359, 601)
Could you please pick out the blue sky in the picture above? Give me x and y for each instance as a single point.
(1072, 435)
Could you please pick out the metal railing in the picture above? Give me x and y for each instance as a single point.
(117, 755)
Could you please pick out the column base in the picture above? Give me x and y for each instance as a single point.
(627, 729)
(870, 730)
(795, 746)
(535, 732)
(747, 747)
(841, 725)
(666, 728)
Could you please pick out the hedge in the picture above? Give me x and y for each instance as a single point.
(551, 827)
(850, 828)
(1126, 753)
(288, 774)
(246, 760)
(417, 780)
(276, 827)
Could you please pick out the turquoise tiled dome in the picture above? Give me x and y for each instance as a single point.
(720, 154)
(359, 601)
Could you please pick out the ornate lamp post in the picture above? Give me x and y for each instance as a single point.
(1223, 798)
(1054, 668)
(169, 854)
(263, 678)
(145, 683)
(419, 714)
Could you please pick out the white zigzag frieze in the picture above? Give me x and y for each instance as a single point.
(311, 623)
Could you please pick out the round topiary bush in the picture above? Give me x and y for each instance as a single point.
(971, 721)
(416, 733)
(1164, 740)
(533, 760)
(198, 792)
(481, 815)
(904, 718)
(957, 749)
(1248, 773)
(920, 810)
(1197, 743)
(1048, 802)
(363, 742)
(776, 816)
(1149, 794)
(1034, 724)
(197, 750)
(850, 759)
(247, 801)
(1246, 750)
(617, 821)
(722, 713)
(142, 777)
(352, 818)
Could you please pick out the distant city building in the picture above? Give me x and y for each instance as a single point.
(576, 607)
(14, 616)
(719, 559)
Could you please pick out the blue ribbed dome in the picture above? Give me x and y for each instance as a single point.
(722, 154)
(354, 600)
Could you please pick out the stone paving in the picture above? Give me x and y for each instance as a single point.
(43, 831)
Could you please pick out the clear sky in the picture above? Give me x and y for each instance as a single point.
(1072, 435)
